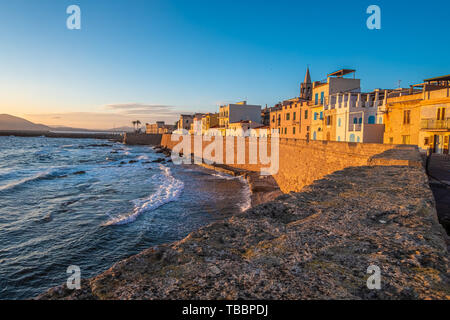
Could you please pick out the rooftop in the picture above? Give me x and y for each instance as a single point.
(341, 73)
(441, 78)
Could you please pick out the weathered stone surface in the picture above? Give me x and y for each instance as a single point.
(314, 244)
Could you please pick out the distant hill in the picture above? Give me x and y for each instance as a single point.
(8, 122)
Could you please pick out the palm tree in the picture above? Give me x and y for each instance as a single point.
(138, 123)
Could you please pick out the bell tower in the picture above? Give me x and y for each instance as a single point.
(306, 87)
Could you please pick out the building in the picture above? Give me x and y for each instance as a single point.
(306, 87)
(241, 128)
(185, 122)
(209, 121)
(292, 118)
(420, 115)
(355, 116)
(196, 125)
(158, 128)
(265, 116)
(240, 111)
(337, 82)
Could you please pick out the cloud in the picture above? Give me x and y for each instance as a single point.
(138, 106)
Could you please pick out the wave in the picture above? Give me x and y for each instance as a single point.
(17, 183)
(224, 176)
(247, 202)
(247, 193)
(43, 175)
(168, 191)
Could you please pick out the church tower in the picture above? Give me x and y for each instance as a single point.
(306, 87)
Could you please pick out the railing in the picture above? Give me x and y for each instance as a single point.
(435, 124)
(354, 127)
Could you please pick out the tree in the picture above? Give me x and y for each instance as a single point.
(138, 123)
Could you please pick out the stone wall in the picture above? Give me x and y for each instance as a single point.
(302, 162)
(142, 139)
(315, 244)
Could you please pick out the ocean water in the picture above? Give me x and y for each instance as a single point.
(91, 203)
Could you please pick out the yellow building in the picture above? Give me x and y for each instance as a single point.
(336, 82)
(209, 120)
(420, 115)
(290, 119)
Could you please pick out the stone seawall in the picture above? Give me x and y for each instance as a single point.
(142, 139)
(69, 135)
(302, 162)
(313, 244)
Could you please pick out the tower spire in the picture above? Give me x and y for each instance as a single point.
(307, 76)
(306, 87)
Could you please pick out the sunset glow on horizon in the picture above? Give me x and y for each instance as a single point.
(189, 57)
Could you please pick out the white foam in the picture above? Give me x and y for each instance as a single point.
(223, 176)
(17, 183)
(168, 191)
(247, 202)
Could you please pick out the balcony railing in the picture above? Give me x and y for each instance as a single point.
(435, 124)
(354, 127)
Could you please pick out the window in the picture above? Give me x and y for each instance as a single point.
(355, 120)
(426, 141)
(352, 138)
(360, 120)
(391, 140)
(316, 98)
(306, 114)
(440, 113)
(288, 116)
(285, 130)
(339, 138)
(358, 139)
(380, 120)
(371, 120)
(406, 116)
(406, 139)
(314, 135)
(293, 130)
(322, 97)
(328, 120)
(293, 116)
(339, 122)
(315, 115)
(321, 115)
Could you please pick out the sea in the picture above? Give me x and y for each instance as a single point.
(90, 203)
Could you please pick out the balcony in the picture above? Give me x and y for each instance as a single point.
(354, 127)
(433, 124)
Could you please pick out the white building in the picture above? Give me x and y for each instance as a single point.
(359, 116)
(240, 111)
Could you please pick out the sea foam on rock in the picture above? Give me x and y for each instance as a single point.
(314, 244)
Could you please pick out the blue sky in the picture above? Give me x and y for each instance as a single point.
(153, 59)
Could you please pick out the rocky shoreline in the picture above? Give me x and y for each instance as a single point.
(313, 244)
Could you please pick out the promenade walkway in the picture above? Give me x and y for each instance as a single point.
(439, 174)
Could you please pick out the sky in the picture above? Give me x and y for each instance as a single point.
(152, 60)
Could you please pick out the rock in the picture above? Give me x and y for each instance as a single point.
(313, 244)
